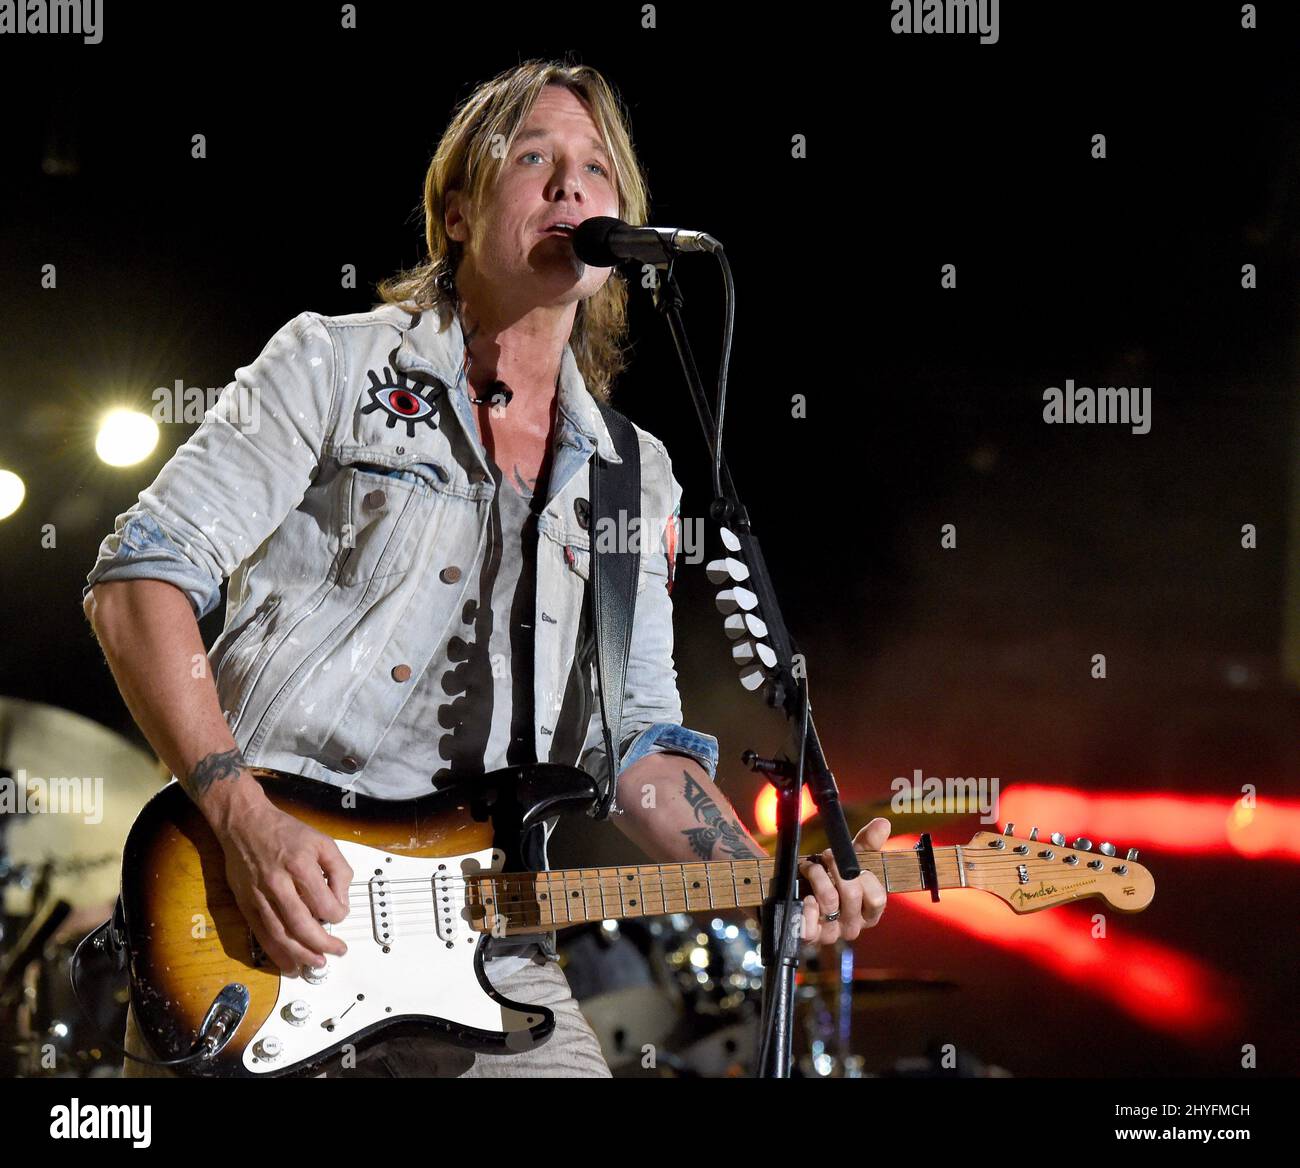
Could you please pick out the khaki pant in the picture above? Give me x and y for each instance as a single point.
(572, 1051)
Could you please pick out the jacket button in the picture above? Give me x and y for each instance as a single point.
(478, 476)
(349, 764)
(449, 575)
(401, 673)
(375, 499)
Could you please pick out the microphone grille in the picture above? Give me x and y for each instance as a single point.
(591, 241)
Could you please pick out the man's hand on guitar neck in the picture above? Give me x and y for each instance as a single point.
(860, 903)
(672, 810)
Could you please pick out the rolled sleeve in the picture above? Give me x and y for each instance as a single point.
(670, 738)
(139, 549)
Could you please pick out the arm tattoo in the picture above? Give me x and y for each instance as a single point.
(734, 844)
(223, 764)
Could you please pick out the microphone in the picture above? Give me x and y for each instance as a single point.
(604, 241)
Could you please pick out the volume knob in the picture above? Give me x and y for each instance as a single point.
(268, 1048)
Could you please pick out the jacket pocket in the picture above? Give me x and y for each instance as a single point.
(383, 517)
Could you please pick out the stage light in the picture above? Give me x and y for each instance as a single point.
(1191, 824)
(765, 809)
(12, 491)
(126, 437)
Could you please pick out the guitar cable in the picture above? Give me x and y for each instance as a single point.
(109, 941)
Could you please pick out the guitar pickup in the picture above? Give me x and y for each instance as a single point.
(448, 891)
(382, 905)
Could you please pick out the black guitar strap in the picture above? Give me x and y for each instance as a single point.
(615, 488)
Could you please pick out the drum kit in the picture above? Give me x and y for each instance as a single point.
(680, 996)
(69, 791)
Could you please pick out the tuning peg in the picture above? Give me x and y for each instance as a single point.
(1010, 829)
(752, 678)
(1058, 839)
(1106, 849)
(1132, 854)
(740, 624)
(728, 568)
(736, 599)
(1083, 844)
(730, 540)
(1033, 835)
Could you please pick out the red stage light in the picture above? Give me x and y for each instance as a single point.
(1164, 820)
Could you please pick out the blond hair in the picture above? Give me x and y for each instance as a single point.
(470, 157)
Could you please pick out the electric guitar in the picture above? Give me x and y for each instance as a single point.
(433, 878)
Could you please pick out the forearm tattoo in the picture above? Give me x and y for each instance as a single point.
(224, 764)
(735, 845)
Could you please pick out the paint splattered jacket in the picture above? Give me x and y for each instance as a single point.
(340, 484)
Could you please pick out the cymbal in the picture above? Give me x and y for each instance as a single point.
(76, 790)
(812, 836)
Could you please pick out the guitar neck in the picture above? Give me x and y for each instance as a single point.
(537, 902)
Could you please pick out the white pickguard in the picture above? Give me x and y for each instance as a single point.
(418, 975)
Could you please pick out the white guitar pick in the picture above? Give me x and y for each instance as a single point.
(736, 599)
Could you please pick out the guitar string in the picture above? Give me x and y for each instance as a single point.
(662, 901)
(672, 880)
(364, 892)
(501, 890)
(423, 920)
(978, 860)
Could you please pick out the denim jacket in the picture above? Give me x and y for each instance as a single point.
(339, 482)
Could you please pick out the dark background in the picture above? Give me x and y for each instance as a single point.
(924, 405)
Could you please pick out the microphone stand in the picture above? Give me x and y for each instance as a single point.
(787, 689)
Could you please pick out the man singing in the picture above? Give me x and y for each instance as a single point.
(403, 515)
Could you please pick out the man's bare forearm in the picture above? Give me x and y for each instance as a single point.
(672, 810)
(153, 646)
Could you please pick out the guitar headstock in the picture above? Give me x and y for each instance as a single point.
(1032, 874)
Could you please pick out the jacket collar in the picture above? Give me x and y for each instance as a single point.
(440, 351)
